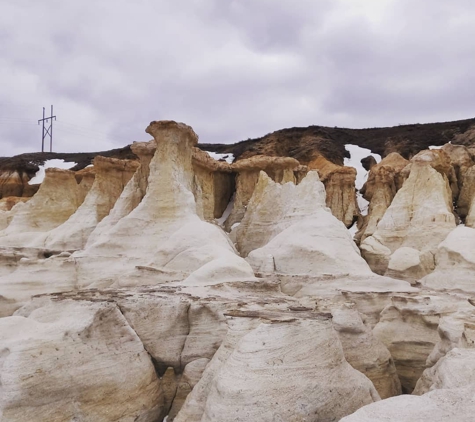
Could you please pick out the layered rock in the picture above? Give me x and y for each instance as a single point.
(255, 374)
(57, 199)
(436, 406)
(111, 176)
(279, 169)
(339, 184)
(163, 239)
(6, 204)
(456, 369)
(288, 229)
(418, 219)
(131, 195)
(75, 361)
(215, 184)
(455, 262)
(466, 201)
(13, 183)
(409, 329)
(384, 180)
(365, 352)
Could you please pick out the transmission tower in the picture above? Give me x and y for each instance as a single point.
(47, 130)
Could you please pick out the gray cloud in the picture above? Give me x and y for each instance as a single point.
(231, 69)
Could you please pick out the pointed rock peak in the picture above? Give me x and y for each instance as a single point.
(393, 159)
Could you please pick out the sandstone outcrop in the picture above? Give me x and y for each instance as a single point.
(409, 329)
(6, 204)
(111, 176)
(456, 369)
(215, 183)
(288, 229)
(131, 195)
(253, 375)
(279, 169)
(436, 406)
(14, 183)
(418, 219)
(455, 262)
(339, 184)
(365, 352)
(466, 201)
(57, 199)
(163, 239)
(384, 180)
(75, 361)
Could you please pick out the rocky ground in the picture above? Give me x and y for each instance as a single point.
(162, 283)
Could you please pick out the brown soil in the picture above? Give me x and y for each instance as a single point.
(305, 143)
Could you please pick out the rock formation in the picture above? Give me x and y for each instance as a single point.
(57, 199)
(418, 219)
(288, 229)
(253, 375)
(466, 201)
(131, 195)
(163, 239)
(455, 370)
(365, 352)
(409, 327)
(144, 308)
(279, 169)
(75, 361)
(455, 262)
(339, 184)
(214, 184)
(436, 406)
(14, 182)
(384, 180)
(111, 176)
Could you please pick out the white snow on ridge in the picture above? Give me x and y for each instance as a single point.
(356, 155)
(40, 174)
(229, 158)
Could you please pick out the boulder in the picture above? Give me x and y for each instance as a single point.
(456, 369)
(436, 406)
(278, 368)
(75, 361)
(455, 262)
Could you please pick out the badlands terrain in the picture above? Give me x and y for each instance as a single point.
(314, 274)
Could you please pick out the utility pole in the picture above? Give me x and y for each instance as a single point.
(47, 130)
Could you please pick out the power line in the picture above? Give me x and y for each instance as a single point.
(47, 130)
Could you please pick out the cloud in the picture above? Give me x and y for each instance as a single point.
(231, 69)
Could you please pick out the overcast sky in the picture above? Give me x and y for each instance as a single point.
(232, 69)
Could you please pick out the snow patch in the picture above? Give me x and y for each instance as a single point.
(353, 229)
(356, 155)
(59, 164)
(229, 158)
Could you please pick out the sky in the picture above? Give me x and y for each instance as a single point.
(231, 69)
